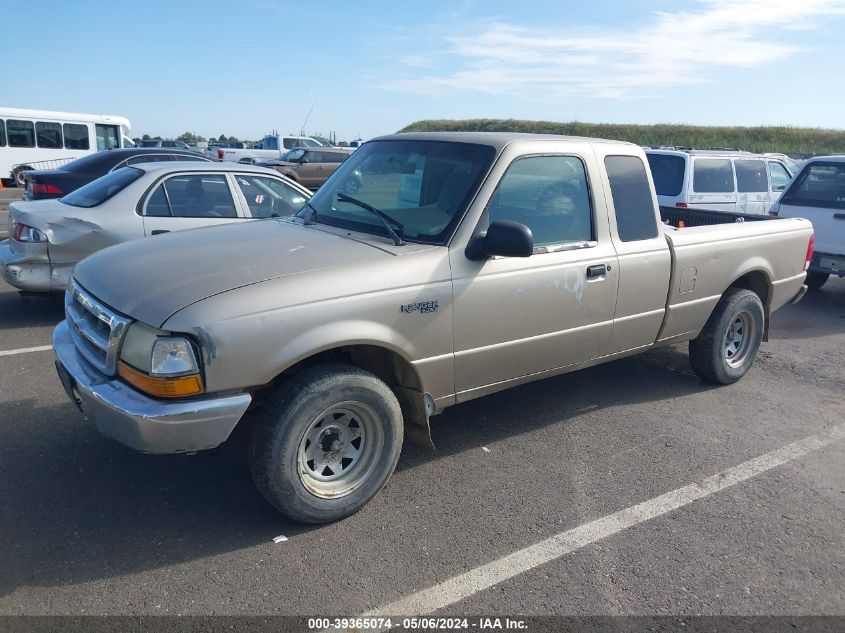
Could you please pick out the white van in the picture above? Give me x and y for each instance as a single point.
(739, 182)
(42, 139)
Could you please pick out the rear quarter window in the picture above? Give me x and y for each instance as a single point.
(820, 184)
(713, 175)
(667, 171)
(635, 217)
(751, 176)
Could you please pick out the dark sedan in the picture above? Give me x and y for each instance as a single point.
(55, 183)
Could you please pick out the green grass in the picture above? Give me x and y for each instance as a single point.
(788, 140)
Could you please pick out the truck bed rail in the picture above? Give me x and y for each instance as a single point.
(705, 217)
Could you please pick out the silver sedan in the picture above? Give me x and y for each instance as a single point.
(49, 237)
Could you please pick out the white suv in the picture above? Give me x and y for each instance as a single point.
(737, 182)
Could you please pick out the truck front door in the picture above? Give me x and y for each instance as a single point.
(519, 316)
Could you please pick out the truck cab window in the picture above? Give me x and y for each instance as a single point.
(548, 194)
(632, 199)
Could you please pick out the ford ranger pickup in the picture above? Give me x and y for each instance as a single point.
(429, 270)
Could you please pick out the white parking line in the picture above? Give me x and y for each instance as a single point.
(25, 350)
(476, 580)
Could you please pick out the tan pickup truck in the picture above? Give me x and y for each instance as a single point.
(429, 270)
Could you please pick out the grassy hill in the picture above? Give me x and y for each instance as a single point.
(789, 140)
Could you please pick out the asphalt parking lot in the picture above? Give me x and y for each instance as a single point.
(90, 527)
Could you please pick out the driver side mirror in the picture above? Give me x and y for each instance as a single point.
(504, 238)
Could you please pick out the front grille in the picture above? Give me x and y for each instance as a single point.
(97, 331)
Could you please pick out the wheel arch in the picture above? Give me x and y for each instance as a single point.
(758, 281)
(386, 363)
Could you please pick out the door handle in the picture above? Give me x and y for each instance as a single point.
(597, 270)
(159, 232)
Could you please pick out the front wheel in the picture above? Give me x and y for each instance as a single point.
(725, 349)
(327, 443)
(815, 281)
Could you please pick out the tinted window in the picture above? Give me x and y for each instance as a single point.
(820, 184)
(2, 133)
(97, 192)
(667, 171)
(268, 197)
(780, 176)
(549, 195)
(713, 175)
(314, 157)
(21, 133)
(635, 218)
(157, 205)
(751, 176)
(76, 136)
(289, 143)
(49, 135)
(335, 157)
(148, 158)
(200, 196)
(424, 185)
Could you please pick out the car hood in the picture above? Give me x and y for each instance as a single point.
(151, 279)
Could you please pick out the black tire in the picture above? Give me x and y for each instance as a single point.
(304, 407)
(739, 313)
(815, 281)
(18, 175)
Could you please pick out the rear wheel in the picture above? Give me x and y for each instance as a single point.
(327, 443)
(725, 349)
(815, 281)
(19, 175)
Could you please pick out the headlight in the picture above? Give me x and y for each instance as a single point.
(159, 363)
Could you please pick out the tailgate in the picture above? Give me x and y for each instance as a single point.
(828, 224)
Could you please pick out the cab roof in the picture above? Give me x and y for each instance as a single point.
(497, 139)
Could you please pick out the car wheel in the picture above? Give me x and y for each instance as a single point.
(815, 281)
(19, 175)
(725, 349)
(327, 442)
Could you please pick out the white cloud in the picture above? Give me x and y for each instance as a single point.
(673, 49)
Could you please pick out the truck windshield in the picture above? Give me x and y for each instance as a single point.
(425, 186)
(667, 171)
(97, 192)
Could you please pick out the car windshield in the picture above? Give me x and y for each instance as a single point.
(293, 155)
(423, 186)
(97, 192)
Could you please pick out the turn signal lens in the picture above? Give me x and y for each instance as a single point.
(161, 387)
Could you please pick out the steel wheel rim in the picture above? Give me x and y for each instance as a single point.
(738, 338)
(339, 450)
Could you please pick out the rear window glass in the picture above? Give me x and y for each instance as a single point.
(712, 175)
(97, 192)
(668, 173)
(49, 135)
(751, 176)
(76, 136)
(635, 218)
(820, 184)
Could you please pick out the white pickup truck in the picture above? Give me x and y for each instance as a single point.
(272, 148)
(458, 265)
(818, 194)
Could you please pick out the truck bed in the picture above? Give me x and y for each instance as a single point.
(704, 217)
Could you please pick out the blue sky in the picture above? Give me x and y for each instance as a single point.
(371, 67)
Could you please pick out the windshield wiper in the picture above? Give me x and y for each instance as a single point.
(381, 215)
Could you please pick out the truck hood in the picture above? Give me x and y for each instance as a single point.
(151, 279)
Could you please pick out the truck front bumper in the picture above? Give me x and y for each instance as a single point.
(139, 421)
